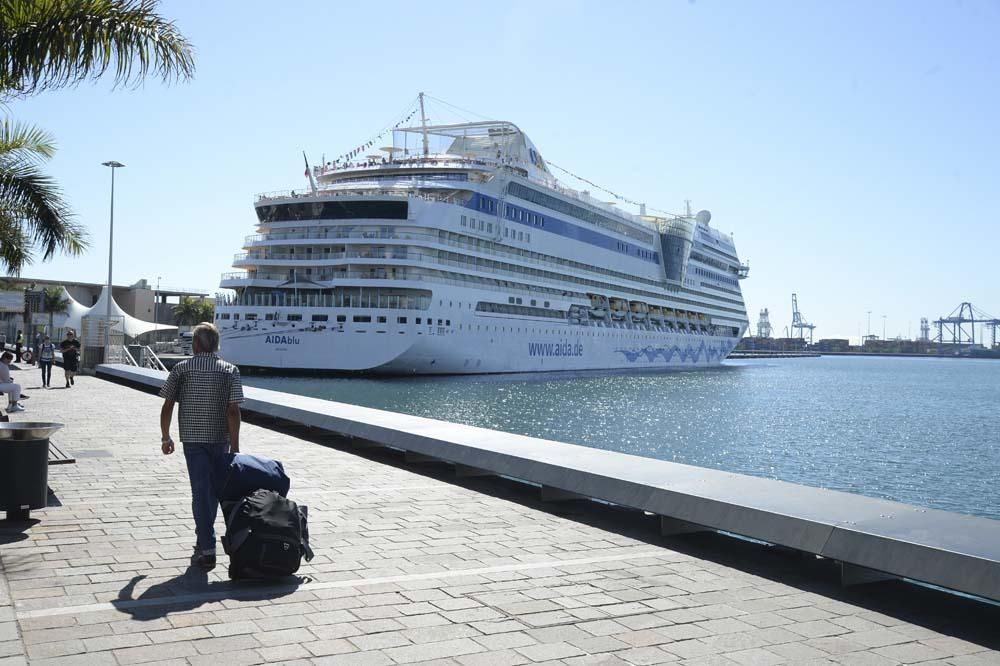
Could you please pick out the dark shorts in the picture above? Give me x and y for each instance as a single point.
(71, 364)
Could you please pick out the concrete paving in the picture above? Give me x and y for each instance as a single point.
(415, 566)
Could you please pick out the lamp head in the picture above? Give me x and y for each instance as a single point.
(113, 164)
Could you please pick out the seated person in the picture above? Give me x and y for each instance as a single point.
(7, 385)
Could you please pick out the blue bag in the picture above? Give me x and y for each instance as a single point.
(241, 474)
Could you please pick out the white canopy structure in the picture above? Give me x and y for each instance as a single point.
(132, 327)
(73, 317)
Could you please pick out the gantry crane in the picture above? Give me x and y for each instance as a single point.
(798, 323)
(959, 328)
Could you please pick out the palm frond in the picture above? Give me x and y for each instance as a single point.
(48, 44)
(15, 248)
(25, 142)
(31, 202)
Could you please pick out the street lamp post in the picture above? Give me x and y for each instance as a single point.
(156, 301)
(111, 247)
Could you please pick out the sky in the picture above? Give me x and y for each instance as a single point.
(851, 148)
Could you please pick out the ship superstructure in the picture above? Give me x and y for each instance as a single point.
(457, 251)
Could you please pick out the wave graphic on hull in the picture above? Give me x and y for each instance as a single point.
(668, 353)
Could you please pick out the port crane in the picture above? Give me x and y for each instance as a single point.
(959, 328)
(798, 323)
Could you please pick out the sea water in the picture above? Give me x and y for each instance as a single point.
(923, 431)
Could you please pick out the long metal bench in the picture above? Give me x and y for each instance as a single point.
(871, 538)
(59, 457)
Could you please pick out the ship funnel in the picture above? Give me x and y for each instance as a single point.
(676, 239)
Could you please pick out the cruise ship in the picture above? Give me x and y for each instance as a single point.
(455, 250)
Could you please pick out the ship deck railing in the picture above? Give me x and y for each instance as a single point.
(326, 193)
(525, 276)
(473, 282)
(245, 258)
(453, 163)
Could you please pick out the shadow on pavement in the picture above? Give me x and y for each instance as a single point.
(191, 590)
(12, 531)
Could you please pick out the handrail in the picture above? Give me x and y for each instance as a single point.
(129, 360)
(255, 240)
(151, 360)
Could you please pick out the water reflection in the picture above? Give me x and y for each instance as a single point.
(922, 431)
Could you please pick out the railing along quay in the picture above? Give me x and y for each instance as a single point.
(871, 539)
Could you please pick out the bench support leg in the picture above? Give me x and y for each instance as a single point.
(671, 526)
(852, 574)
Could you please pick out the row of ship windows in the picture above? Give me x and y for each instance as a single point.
(715, 276)
(321, 318)
(520, 236)
(480, 245)
(445, 323)
(579, 212)
(517, 214)
(639, 252)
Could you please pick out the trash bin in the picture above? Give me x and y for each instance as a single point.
(24, 467)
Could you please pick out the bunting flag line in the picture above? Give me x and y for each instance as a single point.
(607, 191)
(354, 152)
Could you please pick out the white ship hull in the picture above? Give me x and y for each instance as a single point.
(474, 259)
(398, 351)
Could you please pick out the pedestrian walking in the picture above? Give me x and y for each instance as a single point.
(70, 348)
(18, 343)
(37, 342)
(209, 391)
(8, 386)
(46, 356)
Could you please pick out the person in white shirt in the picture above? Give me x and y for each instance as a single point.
(7, 385)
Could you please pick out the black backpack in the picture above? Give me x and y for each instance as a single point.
(267, 536)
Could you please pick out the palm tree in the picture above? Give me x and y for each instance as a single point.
(32, 212)
(47, 44)
(54, 303)
(188, 311)
(206, 311)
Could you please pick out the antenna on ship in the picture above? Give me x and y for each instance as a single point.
(423, 124)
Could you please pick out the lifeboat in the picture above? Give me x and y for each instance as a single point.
(655, 315)
(598, 306)
(618, 309)
(639, 311)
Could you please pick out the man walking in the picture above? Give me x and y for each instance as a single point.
(209, 391)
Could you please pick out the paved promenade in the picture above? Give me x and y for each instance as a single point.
(415, 566)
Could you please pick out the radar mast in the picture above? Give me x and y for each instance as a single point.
(423, 125)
